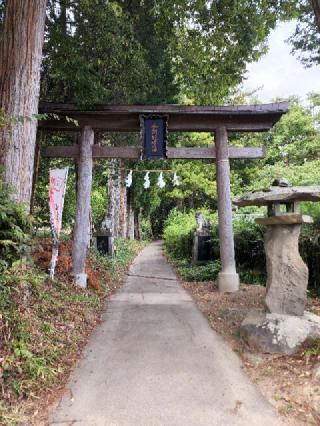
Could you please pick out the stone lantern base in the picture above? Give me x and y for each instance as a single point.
(279, 333)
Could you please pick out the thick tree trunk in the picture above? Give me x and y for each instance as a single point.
(316, 9)
(114, 197)
(123, 203)
(130, 213)
(137, 227)
(20, 60)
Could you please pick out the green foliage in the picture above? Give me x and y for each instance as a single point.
(249, 248)
(190, 272)
(292, 152)
(309, 246)
(313, 349)
(306, 39)
(150, 51)
(9, 417)
(15, 230)
(125, 251)
(106, 64)
(23, 358)
(178, 234)
(146, 231)
(216, 40)
(294, 138)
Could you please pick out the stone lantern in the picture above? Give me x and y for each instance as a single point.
(284, 325)
(102, 238)
(201, 249)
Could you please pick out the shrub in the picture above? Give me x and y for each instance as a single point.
(250, 257)
(309, 246)
(249, 245)
(15, 230)
(178, 234)
(190, 272)
(146, 231)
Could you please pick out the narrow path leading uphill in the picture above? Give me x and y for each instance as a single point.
(155, 361)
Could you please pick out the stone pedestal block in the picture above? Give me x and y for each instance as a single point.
(287, 273)
(201, 250)
(278, 333)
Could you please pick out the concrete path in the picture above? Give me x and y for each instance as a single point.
(155, 361)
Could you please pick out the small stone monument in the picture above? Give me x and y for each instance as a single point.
(103, 239)
(284, 325)
(201, 250)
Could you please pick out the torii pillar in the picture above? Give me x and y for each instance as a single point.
(228, 279)
(81, 229)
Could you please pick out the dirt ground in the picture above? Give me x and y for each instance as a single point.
(290, 383)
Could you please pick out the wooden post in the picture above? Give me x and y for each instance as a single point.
(81, 235)
(228, 279)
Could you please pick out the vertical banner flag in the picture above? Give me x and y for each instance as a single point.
(154, 129)
(57, 189)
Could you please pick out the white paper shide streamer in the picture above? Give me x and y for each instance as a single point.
(57, 189)
(146, 184)
(129, 179)
(175, 180)
(161, 183)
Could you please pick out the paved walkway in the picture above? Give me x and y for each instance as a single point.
(155, 361)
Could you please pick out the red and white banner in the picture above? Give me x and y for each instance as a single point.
(57, 189)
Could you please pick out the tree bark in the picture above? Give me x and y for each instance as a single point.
(137, 225)
(123, 203)
(130, 213)
(20, 60)
(316, 9)
(114, 197)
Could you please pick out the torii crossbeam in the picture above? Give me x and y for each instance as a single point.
(219, 120)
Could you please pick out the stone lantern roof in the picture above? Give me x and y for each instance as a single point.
(277, 197)
(277, 194)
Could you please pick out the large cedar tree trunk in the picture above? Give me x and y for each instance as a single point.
(316, 9)
(114, 189)
(123, 203)
(130, 215)
(20, 60)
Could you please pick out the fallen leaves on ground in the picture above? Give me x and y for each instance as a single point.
(290, 383)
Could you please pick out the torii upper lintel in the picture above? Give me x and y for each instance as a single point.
(181, 118)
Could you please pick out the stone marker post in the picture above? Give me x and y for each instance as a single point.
(228, 279)
(81, 234)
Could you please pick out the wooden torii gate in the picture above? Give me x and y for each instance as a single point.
(126, 118)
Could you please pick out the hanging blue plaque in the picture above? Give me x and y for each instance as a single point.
(154, 137)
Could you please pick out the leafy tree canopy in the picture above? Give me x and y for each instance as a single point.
(306, 39)
(153, 51)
